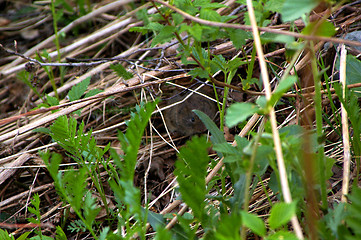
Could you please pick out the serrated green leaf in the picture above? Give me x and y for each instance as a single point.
(294, 9)
(254, 223)
(191, 170)
(210, 15)
(281, 213)
(78, 90)
(52, 101)
(165, 35)
(239, 112)
(92, 92)
(121, 71)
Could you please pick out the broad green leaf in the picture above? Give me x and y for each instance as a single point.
(156, 220)
(353, 72)
(325, 29)
(229, 227)
(294, 9)
(239, 112)
(254, 223)
(78, 90)
(225, 148)
(281, 213)
(279, 38)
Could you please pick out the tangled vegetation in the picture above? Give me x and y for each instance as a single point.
(86, 152)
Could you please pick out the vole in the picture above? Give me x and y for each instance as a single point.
(181, 120)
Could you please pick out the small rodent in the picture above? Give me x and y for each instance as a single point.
(181, 120)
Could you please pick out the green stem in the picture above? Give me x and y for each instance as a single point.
(319, 125)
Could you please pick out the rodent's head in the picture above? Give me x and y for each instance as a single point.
(181, 120)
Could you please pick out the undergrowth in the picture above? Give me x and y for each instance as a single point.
(250, 164)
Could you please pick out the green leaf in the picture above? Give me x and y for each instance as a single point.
(78, 90)
(274, 5)
(210, 15)
(42, 130)
(278, 38)
(282, 235)
(294, 9)
(164, 35)
(130, 141)
(225, 147)
(281, 213)
(353, 72)
(239, 112)
(60, 235)
(229, 227)
(52, 101)
(217, 135)
(325, 29)
(156, 220)
(191, 170)
(254, 223)
(90, 209)
(92, 92)
(121, 71)
(282, 87)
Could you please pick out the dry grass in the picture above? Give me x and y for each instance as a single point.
(102, 34)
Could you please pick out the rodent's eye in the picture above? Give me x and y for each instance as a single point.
(193, 119)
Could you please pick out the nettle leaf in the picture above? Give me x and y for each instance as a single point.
(195, 31)
(324, 28)
(239, 112)
(78, 90)
(281, 213)
(208, 4)
(282, 87)
(294, 9)
(121, 71)
(191, 170)
(165, 35)
(274, 5)
(254, 223)
(210, 15)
